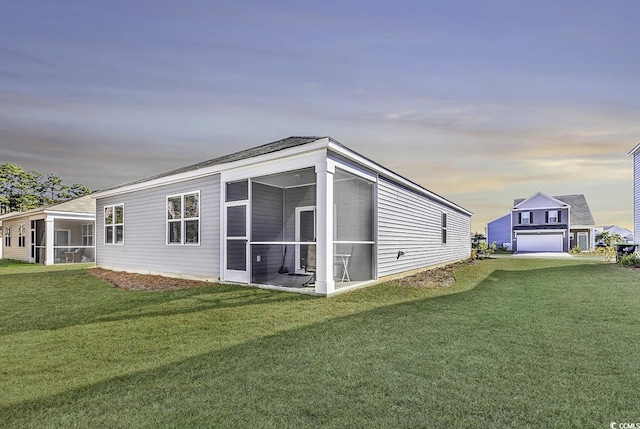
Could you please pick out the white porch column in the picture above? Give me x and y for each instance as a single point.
(325, 284)
(49, 235)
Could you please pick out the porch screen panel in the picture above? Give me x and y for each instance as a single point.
(354, 225)
(237, 191)
(236, 221)
(236, 255)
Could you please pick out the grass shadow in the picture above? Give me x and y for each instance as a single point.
(524, 348)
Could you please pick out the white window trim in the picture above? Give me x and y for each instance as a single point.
(7, 236)
(92, 233)
(444, 221)
(22, 236)
(556, 217)
(522, 218)
(112, 243)
(182, 220)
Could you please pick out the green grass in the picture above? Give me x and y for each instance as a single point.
(523, 343)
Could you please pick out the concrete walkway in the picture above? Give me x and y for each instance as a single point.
(552, 255)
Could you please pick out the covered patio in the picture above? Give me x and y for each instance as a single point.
(280, 231)
(60, 240)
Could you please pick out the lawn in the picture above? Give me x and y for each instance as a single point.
(522, 343)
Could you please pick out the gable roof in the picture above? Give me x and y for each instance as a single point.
(80, 205)
(522, 202)
(313, 142)
(264, 149)
(634, 150)
(580, 212)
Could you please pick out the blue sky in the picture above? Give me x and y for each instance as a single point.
(479, 101)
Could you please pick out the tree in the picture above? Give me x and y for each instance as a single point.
(476, 239)
(22, 190)
(608, 239)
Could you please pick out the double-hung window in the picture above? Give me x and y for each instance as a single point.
(183, 218)
(114, 224)
(444, 228)
(22, 235)
(553, 216)
(526, 217)
(7, 236)
(87, 234)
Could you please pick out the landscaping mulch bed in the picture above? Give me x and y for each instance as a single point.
(131, 281)
(433, 278)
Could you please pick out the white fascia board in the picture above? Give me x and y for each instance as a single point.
(549, 197)
(528, 209)
(394, 176)
(634, 150)
(69, 215)
(278, 165)
(214, 169)
(583, 226)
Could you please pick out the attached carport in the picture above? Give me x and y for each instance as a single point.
(547, 242)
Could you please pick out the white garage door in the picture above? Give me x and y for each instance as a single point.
(540, 243)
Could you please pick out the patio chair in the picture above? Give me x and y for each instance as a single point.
(310, 263)
(342, 261)
(72, 256)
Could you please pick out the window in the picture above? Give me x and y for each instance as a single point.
(114, 224)
(87, 234)
(7, 236)
(553, 216)
(526, 217)
(22, 238)
(183, 218)
(444, 228)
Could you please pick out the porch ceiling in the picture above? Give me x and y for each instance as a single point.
(289, 179)
(302, 177)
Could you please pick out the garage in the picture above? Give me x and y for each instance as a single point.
(540, 243)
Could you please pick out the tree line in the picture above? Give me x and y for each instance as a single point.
(22, 190)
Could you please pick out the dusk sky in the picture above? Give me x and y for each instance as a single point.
(479, 101)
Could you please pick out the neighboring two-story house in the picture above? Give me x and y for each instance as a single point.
(544, 223)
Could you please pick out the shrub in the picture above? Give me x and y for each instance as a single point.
(608, 253)
(576, 249)
(631, 260)
(484, 251)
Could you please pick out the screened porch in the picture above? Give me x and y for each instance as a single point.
(272, 229)
(72, 240)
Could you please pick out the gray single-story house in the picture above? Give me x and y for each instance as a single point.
(59, 233)
(303, 213)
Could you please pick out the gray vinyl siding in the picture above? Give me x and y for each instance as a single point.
(411, 223)
(538, 221)
(636, 197)
(145, 223)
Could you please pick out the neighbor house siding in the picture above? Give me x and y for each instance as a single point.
(636, 197)
(145, 247)
(14, 251)
(499, 231)
(412, 223)
(539, 223)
